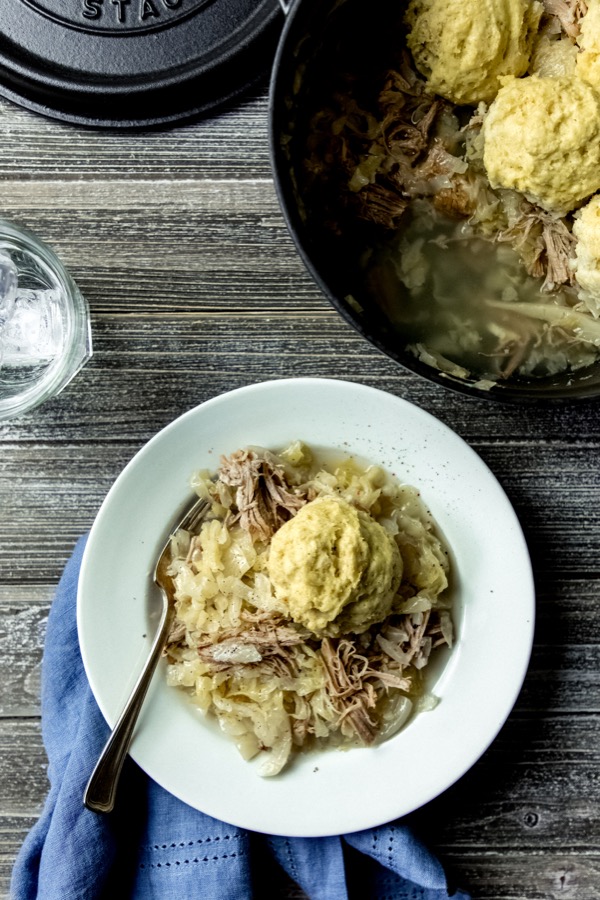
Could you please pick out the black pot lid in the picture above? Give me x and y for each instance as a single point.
(133, 63)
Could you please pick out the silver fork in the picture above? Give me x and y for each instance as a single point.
(101, 789)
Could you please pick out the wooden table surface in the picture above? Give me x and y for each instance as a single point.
(195, 288)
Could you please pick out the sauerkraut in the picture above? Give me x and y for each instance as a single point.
(239, 649)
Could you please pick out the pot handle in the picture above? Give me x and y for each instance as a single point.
(286, 5)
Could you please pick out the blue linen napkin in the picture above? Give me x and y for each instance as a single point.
(154, 846)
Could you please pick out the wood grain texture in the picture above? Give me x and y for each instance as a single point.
(195, 287)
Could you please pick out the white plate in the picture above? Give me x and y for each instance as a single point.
(332, 792)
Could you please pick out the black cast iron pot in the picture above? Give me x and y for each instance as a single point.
(321, 39)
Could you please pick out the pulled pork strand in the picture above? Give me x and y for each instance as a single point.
(344, 668)
(546, 246)
(263, 497)
(568, 13)
(264, 640)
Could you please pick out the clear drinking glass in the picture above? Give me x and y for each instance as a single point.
(45, 335)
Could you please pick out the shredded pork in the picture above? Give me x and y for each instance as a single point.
(546, 244)
(263, 499)
(264, 640)
(568, 14)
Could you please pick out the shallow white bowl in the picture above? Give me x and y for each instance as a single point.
(477, 682)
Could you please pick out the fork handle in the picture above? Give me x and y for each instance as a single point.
(99, 795)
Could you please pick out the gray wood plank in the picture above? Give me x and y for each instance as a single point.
(226, 146)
